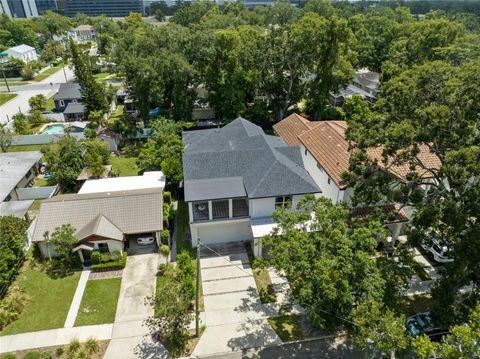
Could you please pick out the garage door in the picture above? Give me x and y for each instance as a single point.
(221, 233)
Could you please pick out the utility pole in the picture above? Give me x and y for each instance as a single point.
(64, 73)
(197, 291)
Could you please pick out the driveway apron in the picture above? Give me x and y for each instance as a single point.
(234, 316)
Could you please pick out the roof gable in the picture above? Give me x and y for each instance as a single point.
(100, 226)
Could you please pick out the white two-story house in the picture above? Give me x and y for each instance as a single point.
(235, 178)
(326, 157)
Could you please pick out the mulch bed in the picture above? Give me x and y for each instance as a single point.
(106, 274)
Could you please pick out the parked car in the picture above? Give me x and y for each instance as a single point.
(144, 241)
(422, 323)
(438, 250)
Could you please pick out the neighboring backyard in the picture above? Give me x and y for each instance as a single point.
(49, 300)
(124, 166)
(5, 97)
(99, 302)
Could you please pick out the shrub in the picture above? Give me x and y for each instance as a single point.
(186, 274)
(8, 356)
(164, 250)
(46, 355)
(167, 197)
(32, 355)
(105, 258)
(115, 256)
(73, 347)
(120, 264)
(59, 352)
(12, 306)
(96, 257)
(27, 73)
(166, 214)
(162, 267)
(164, 236)
(91, 346)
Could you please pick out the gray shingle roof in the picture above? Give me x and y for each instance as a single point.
(214, 188)
(135, 211)
(74, 107)
(241, 149)
(68, 91)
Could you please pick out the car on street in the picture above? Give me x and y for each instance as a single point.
(145, 241)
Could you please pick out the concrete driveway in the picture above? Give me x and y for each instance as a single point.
(130, 338)
(234, 316)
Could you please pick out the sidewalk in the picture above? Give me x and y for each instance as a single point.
(77, 299)
(52, 337)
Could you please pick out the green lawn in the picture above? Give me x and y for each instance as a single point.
(102, 76)
(124, 166)
(49, 301)
(5, 97)
(116, 115)
(36, 205)
(99, 302)
(40, 182)
(50, 104)
(47, 73)
(14, 83)
(287, 327)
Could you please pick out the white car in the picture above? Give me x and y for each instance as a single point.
(144, 241)
(438, 251)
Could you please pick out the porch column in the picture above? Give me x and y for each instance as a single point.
(190, 211)
(210, 212)
(230, 208)
(80, 255)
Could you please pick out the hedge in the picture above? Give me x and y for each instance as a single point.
(110, 265)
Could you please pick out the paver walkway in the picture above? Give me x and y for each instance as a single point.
(47, 338)
(130, 338)
(235, 318)
(77, 299)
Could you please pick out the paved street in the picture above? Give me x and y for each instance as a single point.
(338, 348)
(20, 102)
(235, 317)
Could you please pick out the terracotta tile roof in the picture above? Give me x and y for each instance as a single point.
(291, 127)
(325, 140)
(329, 147)
(397, 214)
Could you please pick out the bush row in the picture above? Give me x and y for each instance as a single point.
(112, 265)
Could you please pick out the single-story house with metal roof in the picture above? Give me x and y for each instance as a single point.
(17, 170)
(105, 214)
(234, 176)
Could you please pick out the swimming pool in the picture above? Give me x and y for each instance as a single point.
(53, 130)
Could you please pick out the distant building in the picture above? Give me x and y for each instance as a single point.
(19, 8)
(113, 8)
(22, 52)
(84, 33)
(365, 84)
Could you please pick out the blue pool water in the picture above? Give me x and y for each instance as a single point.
(53, 130)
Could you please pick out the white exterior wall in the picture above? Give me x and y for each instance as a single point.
(221, 231)
(320, 176)
(113, 245)
(262, 207)
(25, 56)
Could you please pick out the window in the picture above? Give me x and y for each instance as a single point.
(328, 180)
(306, 153)
(283, 202)
(103, 247)
(220, 209)
(200, 211)
(62, 103)
(319, 167)
(240, 207)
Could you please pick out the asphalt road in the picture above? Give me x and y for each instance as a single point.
(338, 348)
(47, 87)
